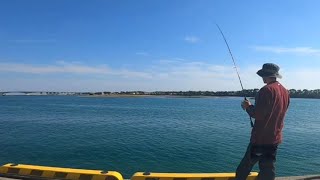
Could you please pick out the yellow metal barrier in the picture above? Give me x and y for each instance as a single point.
(188, 176)
(44, 172)
(23, 171)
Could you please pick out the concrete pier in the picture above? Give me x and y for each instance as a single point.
(307, 177)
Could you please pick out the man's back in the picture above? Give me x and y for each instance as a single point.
(271, 105)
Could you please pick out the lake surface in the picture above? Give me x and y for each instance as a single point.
(148, 134)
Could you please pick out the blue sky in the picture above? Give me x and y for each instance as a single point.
(101, 45)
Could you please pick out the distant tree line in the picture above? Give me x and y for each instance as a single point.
(247, 92)
(305, 93)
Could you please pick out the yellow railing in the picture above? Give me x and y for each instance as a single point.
(23, 171)
(38, 172)
(188, 176)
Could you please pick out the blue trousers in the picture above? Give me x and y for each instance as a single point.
(265, 155)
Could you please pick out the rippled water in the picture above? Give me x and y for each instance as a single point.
(148, 134)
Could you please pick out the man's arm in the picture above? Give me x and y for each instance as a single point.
(261, 105)
(251, 111)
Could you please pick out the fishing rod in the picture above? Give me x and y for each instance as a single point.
(235, 66)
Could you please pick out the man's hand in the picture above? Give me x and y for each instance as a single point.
(245, 104)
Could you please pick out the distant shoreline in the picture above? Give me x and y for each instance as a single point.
(158, 96)
(134, 96)
(308, 94)
(152, 96)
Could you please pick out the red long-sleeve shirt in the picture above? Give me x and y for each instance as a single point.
(269, 111)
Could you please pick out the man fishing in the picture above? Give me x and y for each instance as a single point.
(270, 107)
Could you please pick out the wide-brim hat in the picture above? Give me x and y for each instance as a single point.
(269, 70)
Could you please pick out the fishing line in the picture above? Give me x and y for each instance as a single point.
(235, 66)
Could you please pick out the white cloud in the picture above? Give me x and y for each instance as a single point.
(302, 78)
(191, 39)
(293, 50)
(172, 61)
(163, 75)
(72, 68)
(174, 74)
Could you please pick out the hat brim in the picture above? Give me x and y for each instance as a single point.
(263, 73)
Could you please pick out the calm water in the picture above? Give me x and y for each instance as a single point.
(148, 134)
